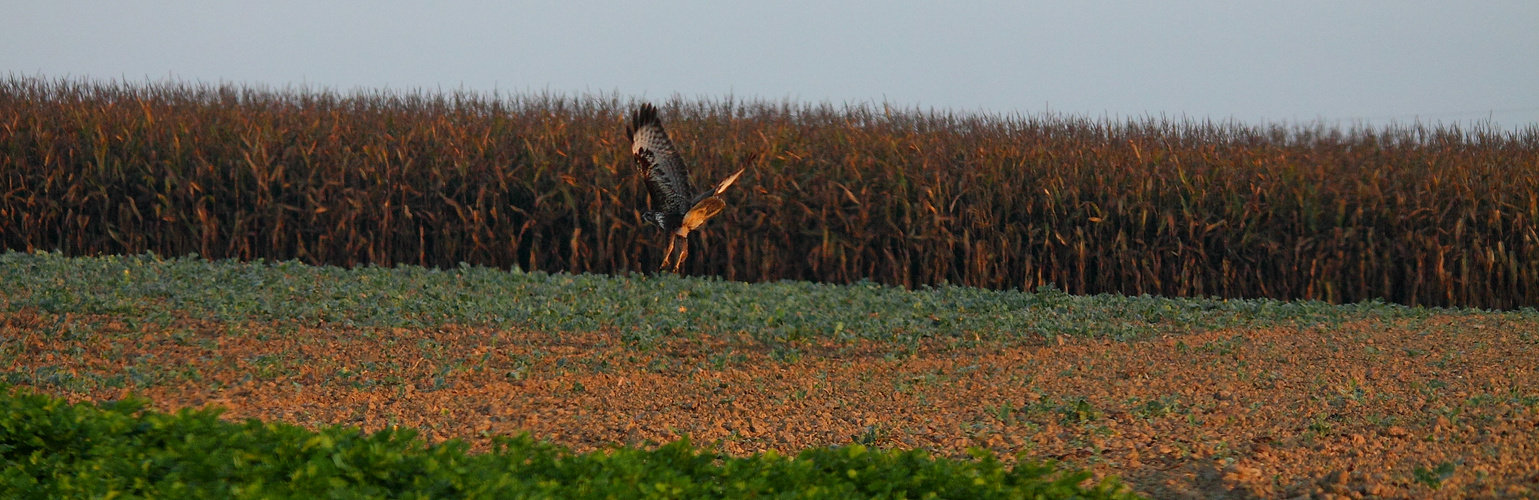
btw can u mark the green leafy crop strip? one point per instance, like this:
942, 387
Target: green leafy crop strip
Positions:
409, 296
50, 448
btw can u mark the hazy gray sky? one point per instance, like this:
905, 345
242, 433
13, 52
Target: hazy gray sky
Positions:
1339, 60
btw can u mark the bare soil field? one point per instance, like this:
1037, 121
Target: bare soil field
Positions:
1444, 408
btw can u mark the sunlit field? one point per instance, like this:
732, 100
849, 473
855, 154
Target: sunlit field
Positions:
1421, 215
254, 292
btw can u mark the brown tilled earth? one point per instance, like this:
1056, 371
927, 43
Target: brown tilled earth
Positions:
1364, 409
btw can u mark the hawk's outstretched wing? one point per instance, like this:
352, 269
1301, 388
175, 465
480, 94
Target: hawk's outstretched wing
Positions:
667, 177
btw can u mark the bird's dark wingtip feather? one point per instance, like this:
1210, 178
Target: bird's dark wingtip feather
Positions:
643, 116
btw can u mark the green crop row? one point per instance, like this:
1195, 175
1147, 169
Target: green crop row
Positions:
1420, 215
50, 448
640, 306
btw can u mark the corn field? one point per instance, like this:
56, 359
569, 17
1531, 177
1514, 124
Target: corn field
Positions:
1418, 214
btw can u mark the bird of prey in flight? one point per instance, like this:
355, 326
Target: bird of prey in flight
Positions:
677, 208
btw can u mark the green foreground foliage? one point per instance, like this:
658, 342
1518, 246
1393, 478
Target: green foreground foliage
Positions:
641, 306
1418, 214
50, 448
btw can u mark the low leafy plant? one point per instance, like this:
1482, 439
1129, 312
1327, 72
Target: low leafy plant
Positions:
1157, 408
1435, 476
644, 308
50, 448
1078, 410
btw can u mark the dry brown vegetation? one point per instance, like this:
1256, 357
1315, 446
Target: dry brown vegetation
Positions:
1417, 215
